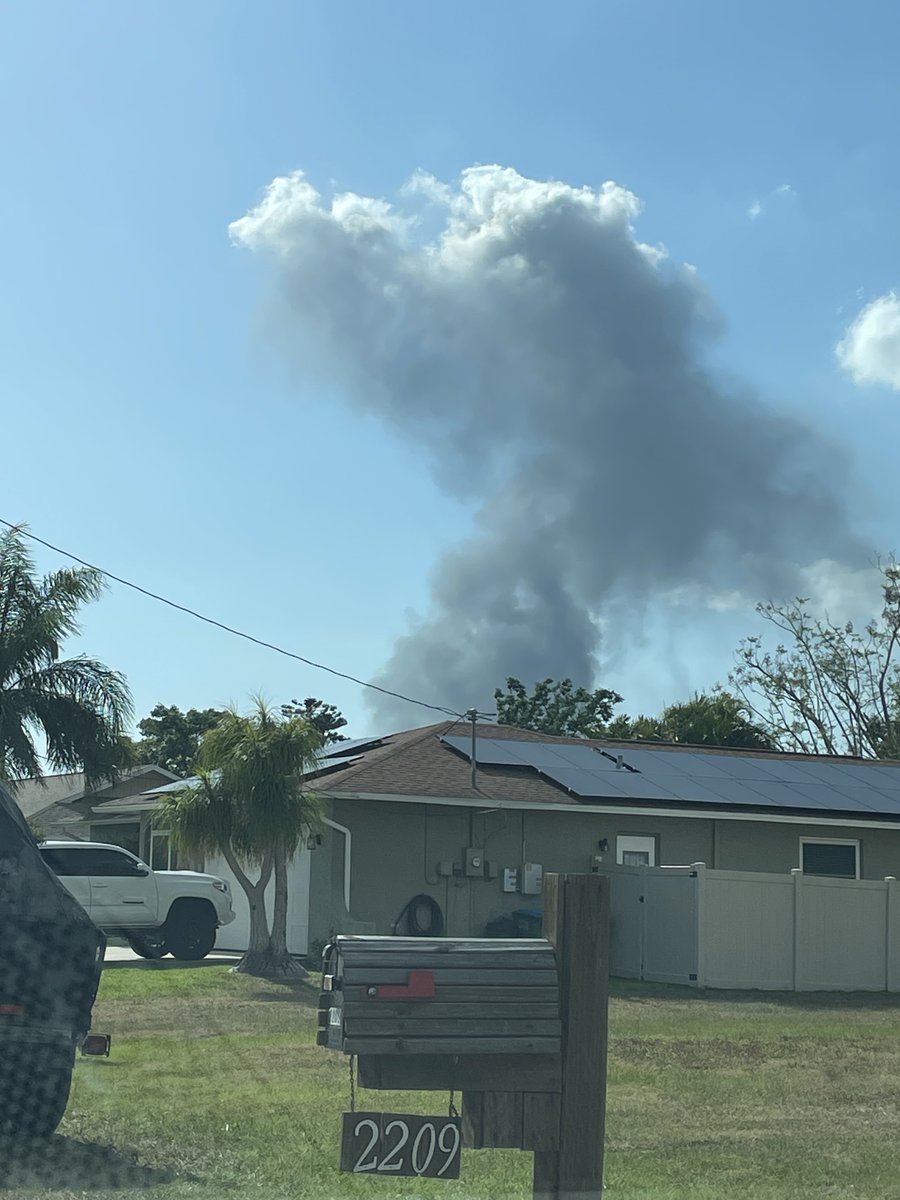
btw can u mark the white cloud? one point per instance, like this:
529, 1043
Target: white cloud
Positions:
870, 347
784, 191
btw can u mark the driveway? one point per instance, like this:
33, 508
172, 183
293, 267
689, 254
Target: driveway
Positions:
115, 953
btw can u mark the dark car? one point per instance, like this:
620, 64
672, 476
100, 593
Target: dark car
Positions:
51, 955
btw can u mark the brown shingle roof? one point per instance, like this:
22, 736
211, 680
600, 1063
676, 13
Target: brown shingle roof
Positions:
417, 763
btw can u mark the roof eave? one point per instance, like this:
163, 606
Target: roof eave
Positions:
878, 821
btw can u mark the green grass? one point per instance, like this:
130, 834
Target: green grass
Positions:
215, 1088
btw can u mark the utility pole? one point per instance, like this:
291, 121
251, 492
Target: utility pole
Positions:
472, 714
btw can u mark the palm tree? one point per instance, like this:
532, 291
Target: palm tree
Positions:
77, 706
249, 805
714, 718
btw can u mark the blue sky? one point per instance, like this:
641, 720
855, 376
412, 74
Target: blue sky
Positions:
151, 426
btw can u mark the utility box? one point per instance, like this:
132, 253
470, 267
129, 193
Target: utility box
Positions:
531, 878
446, 1011
475, 862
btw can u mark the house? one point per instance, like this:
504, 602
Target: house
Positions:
418, 822
62, 806
407, 816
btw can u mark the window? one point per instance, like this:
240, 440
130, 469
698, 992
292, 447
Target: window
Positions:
114, 863
633, 850
124, 834
67, 862
162, 854
829, 856
92, 861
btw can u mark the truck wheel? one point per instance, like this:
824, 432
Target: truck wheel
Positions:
34, 1088
148, 943
191, 930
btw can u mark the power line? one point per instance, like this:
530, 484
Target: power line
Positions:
450, 712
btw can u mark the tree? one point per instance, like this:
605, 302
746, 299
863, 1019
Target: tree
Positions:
556, 707
327, 718
249, 805
827, 687
171, 738
714, 718
77, 706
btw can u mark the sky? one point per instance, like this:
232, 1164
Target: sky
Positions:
381, 331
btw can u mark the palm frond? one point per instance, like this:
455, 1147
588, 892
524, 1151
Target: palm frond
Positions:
79, 706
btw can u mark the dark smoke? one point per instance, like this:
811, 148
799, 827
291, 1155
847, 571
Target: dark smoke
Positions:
553, 366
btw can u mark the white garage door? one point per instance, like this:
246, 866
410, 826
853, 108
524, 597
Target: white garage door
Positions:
236, 935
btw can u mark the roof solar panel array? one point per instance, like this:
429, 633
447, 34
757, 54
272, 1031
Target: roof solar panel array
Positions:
695, 777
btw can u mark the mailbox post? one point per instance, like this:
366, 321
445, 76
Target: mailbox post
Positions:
518, 1026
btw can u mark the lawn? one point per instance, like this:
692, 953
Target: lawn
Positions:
215, 1088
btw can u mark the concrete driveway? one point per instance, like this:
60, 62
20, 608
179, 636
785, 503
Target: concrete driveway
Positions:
123, 953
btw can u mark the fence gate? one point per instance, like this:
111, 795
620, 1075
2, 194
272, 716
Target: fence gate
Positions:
654, 924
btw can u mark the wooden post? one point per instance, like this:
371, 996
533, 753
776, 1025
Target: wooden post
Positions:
576, 922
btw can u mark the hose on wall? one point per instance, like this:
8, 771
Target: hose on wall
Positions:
410, 914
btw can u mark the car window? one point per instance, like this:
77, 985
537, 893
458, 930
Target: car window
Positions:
114, 862
66, 862
90, 861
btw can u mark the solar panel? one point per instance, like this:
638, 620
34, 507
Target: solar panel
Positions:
825, 773
707, 766
490, 752
640, 787
745, 768
670, 760
540, 755
339, 749
886, 779
513, 752
688, 791
583, 756
325, 765
784, 795
822, 796
881, 801
733, 791
587, 784
697, 777
785, 772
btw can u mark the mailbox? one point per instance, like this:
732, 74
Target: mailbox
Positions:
444, 1012
518, 1026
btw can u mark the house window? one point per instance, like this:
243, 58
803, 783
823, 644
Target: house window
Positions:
162, 853
127, 835
829, 856
633, 850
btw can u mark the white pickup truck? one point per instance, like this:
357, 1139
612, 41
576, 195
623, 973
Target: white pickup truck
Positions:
159, 912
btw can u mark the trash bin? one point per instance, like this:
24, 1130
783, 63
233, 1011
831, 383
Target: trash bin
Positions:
520, 923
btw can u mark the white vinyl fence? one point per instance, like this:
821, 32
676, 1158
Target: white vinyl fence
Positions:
739, 929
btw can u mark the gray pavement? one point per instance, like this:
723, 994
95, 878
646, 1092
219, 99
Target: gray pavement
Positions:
116, 953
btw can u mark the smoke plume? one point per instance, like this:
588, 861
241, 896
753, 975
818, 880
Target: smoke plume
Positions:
555, 368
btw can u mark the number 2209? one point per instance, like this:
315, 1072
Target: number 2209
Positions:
400, 1144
